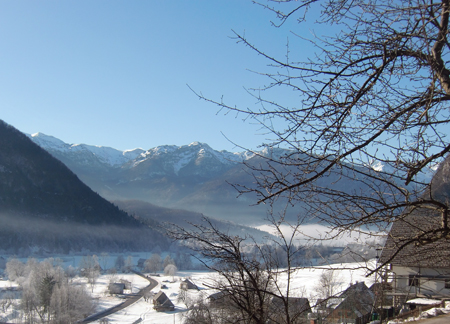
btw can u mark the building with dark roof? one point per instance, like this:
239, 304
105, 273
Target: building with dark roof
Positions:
355, 302
116, 288
187, 284
299, 308
417, 250
415, 267
161, 303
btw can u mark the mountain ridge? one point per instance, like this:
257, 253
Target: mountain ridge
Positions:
193, 177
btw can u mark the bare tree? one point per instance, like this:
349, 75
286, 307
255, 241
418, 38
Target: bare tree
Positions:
90, 268
328, 285
104, 260
168, 260
249, 277
154, 263
199, 311
120, 263
15, 269
170, 270
47, 296
363, 119
70, 304
129, 263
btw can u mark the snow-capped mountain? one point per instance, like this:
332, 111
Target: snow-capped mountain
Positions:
193, 177
107, 155
177, 158
424, 176
196, 158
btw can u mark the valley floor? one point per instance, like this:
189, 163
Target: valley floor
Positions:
303, 283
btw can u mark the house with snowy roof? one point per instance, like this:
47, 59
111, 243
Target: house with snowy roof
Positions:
116, 288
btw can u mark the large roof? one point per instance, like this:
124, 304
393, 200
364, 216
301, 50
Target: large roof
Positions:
162, 299
401, 247
415, 223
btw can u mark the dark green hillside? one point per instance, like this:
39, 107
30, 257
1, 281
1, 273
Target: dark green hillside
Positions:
44, 204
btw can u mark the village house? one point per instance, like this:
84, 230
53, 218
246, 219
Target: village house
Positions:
161, 303
355, 302
126, 283
416, 270
299, 308
219, 299
187, 284
116, 288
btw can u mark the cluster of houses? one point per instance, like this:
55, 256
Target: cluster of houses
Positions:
162, 303
409, 272
349, 306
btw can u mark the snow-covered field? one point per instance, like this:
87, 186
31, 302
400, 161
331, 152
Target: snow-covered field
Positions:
303, 283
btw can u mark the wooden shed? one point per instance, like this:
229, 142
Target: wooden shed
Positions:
187, 284
116, 288
126, 283
298, 309
161, 303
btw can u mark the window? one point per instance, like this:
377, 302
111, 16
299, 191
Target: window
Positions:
447, 284
413, 281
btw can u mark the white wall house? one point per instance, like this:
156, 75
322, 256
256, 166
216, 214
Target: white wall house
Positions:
414, 269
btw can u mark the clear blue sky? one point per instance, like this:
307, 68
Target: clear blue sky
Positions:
115, 73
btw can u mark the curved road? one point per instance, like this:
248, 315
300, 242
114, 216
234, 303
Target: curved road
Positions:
131, 300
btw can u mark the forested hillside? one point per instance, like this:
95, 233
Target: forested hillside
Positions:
43, 205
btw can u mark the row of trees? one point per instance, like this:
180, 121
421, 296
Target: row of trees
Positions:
48, 296
155, 264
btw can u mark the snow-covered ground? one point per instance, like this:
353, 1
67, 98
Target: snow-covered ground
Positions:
100, 292
433, 312
303, 283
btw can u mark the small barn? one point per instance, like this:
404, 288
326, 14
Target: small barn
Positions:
161, 303
220, 299
299, 308
187, 284
116, 288
126, 283
355, 302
